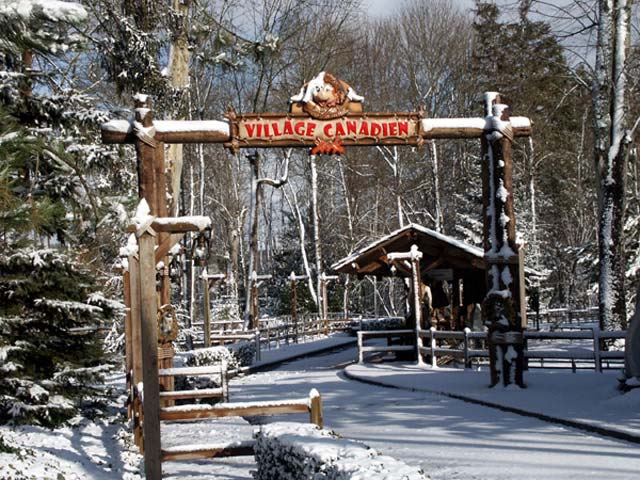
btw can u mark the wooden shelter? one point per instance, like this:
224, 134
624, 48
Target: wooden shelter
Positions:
444, 260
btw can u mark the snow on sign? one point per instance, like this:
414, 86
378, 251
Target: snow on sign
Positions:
327, 115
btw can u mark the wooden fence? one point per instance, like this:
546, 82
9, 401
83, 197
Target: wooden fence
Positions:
311, 405
467, 345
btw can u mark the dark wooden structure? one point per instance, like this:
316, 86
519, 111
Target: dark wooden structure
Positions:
444, 259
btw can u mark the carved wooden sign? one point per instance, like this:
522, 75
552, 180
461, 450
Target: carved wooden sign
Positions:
326, 114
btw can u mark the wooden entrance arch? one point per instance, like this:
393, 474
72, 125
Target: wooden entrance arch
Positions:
327, 116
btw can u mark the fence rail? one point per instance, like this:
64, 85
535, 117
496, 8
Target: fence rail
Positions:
464, 345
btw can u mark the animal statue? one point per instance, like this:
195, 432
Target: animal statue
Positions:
326, 97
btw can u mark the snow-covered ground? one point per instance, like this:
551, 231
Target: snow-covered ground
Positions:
447, 437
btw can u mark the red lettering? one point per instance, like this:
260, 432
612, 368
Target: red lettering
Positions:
385, 130
276, 130
376, 129
267, 132
251, 129
299, 128
311, 126
327, 130
352, 127
403, 128
339, 130
288, 128
393, 128
364, 128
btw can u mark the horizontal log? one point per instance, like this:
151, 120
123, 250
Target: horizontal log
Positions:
176, 224
189, 394
199, 452
230, 410
385, 333
170, 131
389, 348
440, 128
190, 371
216, 131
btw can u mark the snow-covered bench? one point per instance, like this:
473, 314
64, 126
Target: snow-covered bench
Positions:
293, 451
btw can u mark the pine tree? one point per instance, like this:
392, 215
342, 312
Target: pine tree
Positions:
49, 205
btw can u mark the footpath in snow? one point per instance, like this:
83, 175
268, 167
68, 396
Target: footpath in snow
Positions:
586, 400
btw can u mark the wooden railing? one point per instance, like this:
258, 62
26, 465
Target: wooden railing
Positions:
311, 405
467, 345
389, 347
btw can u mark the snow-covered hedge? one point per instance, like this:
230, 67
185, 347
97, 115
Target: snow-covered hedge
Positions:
387, 323
244, 352
236, 355
212, 356
295, 451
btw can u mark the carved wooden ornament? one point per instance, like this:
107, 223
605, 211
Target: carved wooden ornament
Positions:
326, 115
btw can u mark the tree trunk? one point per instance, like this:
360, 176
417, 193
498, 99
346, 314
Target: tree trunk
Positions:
179, 77
254, 206
439, 226
611, 158
316, 228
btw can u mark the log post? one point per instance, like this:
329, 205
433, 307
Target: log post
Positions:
316, 408
149, 331
136, 336
128, 360
294, 304
206, 309
501, 307
416, 256
254, 300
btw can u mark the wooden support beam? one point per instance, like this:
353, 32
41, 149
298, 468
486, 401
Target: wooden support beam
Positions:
316, 409
149, 331
202, 452
502, 303
229, 410
136, 336
207, 310
176, 224
167, 244
128, 362
216, 131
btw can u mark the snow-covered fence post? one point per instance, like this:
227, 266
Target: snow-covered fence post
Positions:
501, 306
257, 344
136, 354
596, 349
360, 345
433, 345
315, 401
146, 228
149, 333
324, 281
466, 346
207, 283
413, 258
294, 301
256, 281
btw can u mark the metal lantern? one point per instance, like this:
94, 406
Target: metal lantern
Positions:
200, 248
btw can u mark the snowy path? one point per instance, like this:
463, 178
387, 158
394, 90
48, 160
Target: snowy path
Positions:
449, 438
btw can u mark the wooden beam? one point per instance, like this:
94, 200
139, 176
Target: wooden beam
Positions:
136, 336
149, 331
128, 362
173, 225
207, 312
167, 244
203, 452
228, 410
170, 131
216, 131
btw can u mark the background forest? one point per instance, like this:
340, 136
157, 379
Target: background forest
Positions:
65, 69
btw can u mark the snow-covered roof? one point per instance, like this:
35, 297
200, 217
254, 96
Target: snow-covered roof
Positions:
412, 233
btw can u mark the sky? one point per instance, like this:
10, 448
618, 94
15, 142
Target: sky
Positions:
385, 7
